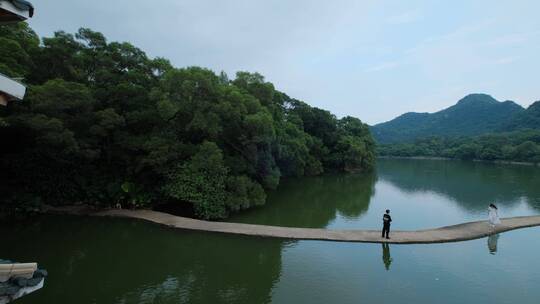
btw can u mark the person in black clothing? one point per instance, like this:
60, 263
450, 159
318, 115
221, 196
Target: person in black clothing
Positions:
386, 223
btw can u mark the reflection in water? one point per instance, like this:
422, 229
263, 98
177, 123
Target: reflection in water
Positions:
387, 259
472, 185
314, 201
126, 261
459, 190
492, 243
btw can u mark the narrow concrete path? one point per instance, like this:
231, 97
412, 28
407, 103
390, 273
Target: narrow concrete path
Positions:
455, 233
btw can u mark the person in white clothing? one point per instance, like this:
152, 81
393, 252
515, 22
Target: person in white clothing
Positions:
493, 215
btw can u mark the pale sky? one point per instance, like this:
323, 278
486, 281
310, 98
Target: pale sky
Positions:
370, 59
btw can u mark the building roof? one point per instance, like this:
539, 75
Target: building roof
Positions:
23, 5
15, 10
13, 89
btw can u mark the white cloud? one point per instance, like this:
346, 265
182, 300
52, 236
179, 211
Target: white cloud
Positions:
506, 60
383, 66
405, 17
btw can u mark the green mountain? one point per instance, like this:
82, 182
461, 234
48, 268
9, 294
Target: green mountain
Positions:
528, 119
474, 114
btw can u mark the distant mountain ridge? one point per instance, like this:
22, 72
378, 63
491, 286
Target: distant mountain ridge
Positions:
528, 119
475, 114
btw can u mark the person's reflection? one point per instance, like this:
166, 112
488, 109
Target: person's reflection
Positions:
387, 260
492, 243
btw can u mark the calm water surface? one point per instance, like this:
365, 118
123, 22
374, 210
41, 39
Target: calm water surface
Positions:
419, 193
100, 260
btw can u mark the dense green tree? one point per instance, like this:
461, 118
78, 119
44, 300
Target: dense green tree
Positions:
18, 44
104, 124
527, 150
201, 181
514, 146
356, 144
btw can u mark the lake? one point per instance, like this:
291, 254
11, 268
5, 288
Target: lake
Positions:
104, 260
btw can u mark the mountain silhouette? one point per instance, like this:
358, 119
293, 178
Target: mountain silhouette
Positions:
474, 114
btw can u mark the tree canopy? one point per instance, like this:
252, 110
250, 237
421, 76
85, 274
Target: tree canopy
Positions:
103, 123
521, 146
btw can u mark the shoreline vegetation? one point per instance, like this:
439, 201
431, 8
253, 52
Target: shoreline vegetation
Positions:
519, 147
105, 125
103, 122
502, 162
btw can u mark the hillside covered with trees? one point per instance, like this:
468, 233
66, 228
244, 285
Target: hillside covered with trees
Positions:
521, 146
102, 123
473, 115
528, 119
477, 127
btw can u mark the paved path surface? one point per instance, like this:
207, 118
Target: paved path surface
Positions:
461, 232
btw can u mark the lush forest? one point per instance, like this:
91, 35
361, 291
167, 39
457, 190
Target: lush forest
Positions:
477, 127
522, 146
528, 119
473, 115
102, 124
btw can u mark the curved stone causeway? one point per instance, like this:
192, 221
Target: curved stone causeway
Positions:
455, 233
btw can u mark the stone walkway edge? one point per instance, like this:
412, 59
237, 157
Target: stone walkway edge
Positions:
454, 233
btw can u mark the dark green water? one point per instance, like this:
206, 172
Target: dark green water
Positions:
419, 193
100, 260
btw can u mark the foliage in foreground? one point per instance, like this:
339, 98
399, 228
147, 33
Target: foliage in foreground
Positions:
103, 124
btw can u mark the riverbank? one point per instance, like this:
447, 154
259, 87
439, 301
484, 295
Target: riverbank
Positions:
502, 162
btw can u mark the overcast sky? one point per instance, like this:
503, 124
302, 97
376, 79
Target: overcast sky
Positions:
370, 59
